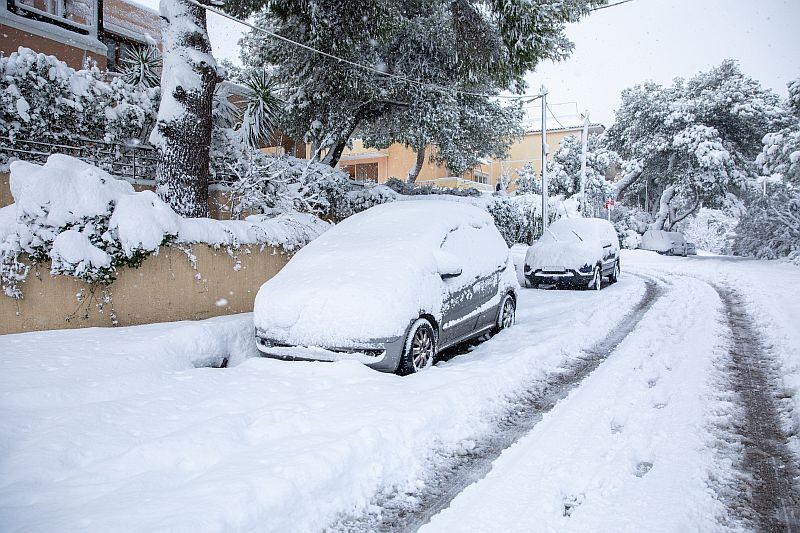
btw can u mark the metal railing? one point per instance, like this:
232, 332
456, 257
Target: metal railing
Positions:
131, 161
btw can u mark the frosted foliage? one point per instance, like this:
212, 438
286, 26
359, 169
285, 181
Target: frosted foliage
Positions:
279, 184
770, 228
711, 230
692, 143
481, 48
43, 99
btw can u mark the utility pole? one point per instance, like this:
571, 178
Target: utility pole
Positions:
584, 141
543, 94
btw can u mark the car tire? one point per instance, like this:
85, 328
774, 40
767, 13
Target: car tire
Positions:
614, 277
420, 348
507, 313
597, 280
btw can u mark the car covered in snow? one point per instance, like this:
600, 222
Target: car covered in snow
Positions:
664, 242
691, 248
390, 287
574, 252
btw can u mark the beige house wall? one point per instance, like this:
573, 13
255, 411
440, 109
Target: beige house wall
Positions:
397, 160
165, 288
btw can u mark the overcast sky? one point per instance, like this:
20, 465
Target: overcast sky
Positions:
643, 40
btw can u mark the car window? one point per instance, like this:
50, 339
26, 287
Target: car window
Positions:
479, 250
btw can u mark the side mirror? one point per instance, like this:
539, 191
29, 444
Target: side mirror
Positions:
447, 265
448, 275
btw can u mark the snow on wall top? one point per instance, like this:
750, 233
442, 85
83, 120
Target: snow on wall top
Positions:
65, 190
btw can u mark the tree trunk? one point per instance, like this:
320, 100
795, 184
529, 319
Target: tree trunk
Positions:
415, 170
663, 208
182, 136
626, 181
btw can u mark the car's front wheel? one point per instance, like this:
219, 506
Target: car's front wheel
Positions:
507, 314
420, 349
597, 279
614, 277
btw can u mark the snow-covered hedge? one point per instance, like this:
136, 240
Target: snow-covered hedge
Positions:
43, 99
88, 224
280, 184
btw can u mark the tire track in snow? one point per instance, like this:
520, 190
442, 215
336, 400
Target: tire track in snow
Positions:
768, 496
454, 472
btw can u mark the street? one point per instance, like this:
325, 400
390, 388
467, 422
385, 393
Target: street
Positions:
663, 402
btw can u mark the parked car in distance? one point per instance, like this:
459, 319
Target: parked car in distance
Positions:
664, 242
691, 249
574, 252
390, 287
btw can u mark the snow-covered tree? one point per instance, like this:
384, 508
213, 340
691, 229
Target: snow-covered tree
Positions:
465, 45
182, 135
770, 226
693, 142
527, 181
564, 170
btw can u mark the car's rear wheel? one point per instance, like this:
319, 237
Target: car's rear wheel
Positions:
614, 277
507, 314
420, 349
597, 279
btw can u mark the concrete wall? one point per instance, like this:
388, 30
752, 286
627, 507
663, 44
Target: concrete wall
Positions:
165, 288
5, 190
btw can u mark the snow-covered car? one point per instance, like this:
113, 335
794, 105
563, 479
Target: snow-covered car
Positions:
691, 248
390, 287
574, 252
664, 242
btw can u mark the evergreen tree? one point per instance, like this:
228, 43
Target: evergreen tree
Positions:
693, 142
462, 45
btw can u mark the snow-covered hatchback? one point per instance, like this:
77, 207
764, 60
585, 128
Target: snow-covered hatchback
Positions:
577, 252
390, 287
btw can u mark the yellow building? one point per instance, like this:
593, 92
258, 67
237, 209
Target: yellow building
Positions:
369, 164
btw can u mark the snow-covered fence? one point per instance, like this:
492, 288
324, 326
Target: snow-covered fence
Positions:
166, 287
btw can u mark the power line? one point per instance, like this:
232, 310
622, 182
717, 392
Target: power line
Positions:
610, 5
555, 117
362, 66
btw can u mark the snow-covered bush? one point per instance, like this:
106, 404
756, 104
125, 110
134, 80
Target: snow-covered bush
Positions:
286, 183
43, 99
770, 227
630, 223
88, 224
712, 230
414, 189
526, 181
358, 200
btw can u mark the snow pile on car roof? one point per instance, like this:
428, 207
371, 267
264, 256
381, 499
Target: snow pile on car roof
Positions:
372, 273
572, 243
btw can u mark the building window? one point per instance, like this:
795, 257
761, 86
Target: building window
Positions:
480, 177
118, 48
71, 14
364, 172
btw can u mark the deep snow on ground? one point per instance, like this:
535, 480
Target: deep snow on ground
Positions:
116, 429
128, 429
629, 450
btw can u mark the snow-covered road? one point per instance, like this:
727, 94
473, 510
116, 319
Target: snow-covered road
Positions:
131, 429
